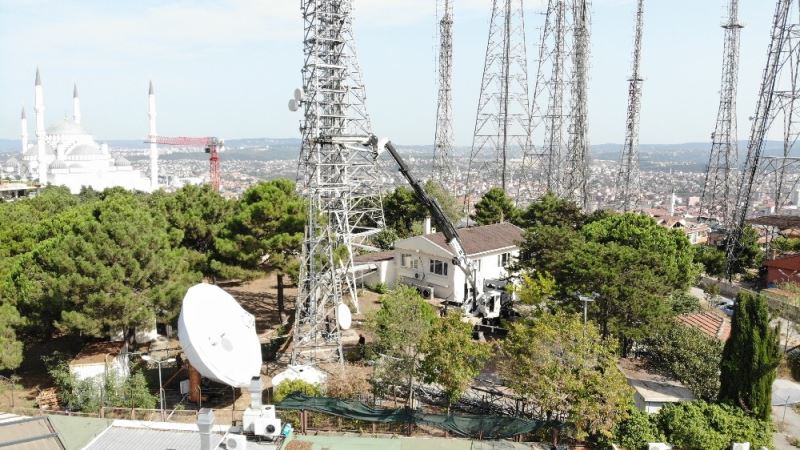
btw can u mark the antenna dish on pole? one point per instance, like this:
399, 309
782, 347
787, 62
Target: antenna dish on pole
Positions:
219, 336
298, 95
343, 316
293, 105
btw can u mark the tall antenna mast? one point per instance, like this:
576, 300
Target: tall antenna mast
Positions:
628, 184
502, 124
443, 142
576, 173
559, 162
778, 99
338, 177
718, 200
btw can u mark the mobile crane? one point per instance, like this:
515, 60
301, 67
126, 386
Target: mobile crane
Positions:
485, 302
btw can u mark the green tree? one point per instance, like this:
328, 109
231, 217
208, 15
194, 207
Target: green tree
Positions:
631, 265
111, 265
266, 231
712, 259
199, 214
450, 205
536, 289
566, 374
750, 357
709, 426
400, 342
683, 302
401, 209
494, 207
687, 355
10, 346
748, 251
385, 239
452, 358
636, 430
552, 210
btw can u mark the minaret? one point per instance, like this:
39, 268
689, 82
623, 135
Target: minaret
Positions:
76, 105
151, 115
40, 133
672, 200
24, 126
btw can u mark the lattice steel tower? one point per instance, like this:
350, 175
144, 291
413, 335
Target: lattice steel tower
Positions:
719, 189
576, 174
443, 142
559, 161
777, 104
502, 124
628, 182
338, 176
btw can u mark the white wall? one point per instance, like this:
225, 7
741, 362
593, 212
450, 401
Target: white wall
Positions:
450, 287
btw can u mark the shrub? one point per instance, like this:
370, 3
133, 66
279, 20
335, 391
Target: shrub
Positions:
288, 387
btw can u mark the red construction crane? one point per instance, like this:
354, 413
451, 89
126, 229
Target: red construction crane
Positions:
211, 145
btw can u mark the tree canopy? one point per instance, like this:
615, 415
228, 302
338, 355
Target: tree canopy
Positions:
494, 207
750, 357
566, 371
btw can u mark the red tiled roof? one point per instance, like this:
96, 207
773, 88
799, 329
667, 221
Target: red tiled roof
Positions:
709, 322
791, 262
482, 239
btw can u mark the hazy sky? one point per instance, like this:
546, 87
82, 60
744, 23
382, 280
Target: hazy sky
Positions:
228, 67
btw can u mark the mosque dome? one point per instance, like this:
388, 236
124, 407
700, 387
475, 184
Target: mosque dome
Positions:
67, 128
120, 161
58, 164
85, 152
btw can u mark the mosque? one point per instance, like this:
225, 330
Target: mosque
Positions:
66, 154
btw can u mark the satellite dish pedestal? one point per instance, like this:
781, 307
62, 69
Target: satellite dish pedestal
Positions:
195, 394
258, 418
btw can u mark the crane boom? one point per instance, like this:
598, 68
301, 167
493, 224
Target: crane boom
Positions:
211, 144
436, 211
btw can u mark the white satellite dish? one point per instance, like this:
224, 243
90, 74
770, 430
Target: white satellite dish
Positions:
298, 95
293, 105
219, 336
343, 316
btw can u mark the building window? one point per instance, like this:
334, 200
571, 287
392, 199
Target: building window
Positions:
503, 259
414, 263
438, 267
404, 258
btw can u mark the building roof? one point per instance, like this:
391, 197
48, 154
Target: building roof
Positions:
711, 323
374, 257
97, 352
653, 387
29, 433
483, 239
778, 221
121, 438
791, 262
67, 128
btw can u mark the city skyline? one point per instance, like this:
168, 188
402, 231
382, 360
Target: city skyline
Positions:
238, 61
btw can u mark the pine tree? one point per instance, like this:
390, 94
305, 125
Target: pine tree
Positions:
750, 357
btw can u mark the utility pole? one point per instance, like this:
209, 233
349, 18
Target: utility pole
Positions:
443, 142
717, 201
502, 123
628, 183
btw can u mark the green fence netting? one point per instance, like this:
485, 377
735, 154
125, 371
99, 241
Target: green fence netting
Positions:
484, 427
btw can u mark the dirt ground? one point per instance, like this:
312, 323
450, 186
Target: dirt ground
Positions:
258, 297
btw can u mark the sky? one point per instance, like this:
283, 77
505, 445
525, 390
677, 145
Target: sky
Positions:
227, 68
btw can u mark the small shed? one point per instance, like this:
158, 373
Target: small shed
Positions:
98, 359
652, 391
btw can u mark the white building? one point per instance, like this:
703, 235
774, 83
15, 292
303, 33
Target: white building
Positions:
426, 262
100, 359
66, 154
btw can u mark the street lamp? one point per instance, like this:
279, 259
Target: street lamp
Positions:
149, 358
586, 300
